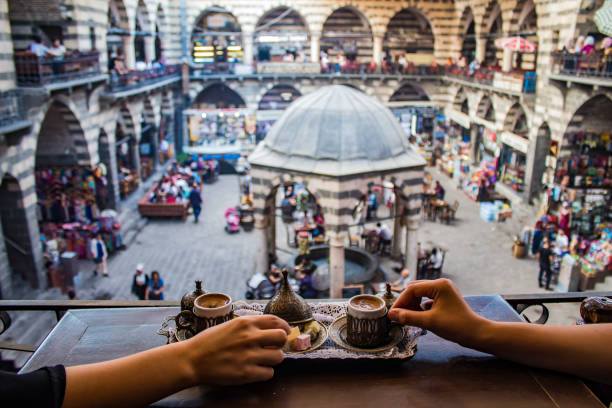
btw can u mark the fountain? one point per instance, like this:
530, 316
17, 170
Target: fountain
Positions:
359, 266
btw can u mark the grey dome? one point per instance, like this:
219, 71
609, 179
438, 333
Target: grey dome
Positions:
336, 131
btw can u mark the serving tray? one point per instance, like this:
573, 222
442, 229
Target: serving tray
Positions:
326, 313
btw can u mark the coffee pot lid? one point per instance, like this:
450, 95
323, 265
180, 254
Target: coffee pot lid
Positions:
288, 305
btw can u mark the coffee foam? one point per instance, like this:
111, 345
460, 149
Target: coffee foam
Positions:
212, 301
367, 303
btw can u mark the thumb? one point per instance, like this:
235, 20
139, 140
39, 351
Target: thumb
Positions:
408, 317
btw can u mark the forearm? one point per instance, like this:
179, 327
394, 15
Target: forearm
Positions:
134, 380
579, 350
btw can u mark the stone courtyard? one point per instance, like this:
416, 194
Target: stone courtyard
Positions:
478, 259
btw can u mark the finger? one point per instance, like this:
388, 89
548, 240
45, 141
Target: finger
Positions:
271, 337
426, 305
258, 373
272, 322
409, 317
268, 357
411, 297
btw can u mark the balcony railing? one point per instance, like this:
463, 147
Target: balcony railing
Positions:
597, 66
515, 82
11, 108
137, 79
33, 70
311, 69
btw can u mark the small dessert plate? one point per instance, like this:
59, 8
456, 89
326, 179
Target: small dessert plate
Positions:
321, 339
337, 332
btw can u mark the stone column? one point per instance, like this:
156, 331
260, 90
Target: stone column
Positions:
247, 45
507, 61
396, 249
378, 50
481, 49
108, 156
315, 47
336, 264
411, 247
134, 145
261, 242
128, 51
473, 141
536, 164
149, 42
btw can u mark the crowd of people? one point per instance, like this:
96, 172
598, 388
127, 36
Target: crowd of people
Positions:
587, 54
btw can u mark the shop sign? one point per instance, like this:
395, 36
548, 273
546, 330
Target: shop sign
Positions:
515, 141
460, 118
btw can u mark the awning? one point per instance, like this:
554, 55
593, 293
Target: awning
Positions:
516, 44
603, 18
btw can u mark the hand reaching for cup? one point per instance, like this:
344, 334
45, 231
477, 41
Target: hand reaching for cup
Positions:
240, 351
445, 312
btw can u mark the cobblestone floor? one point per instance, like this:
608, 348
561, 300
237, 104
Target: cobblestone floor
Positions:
478, 260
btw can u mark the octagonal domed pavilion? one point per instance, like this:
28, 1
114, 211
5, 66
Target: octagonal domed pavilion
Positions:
339, 142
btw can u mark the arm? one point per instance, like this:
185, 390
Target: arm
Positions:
147, 290
238, 352
557, 348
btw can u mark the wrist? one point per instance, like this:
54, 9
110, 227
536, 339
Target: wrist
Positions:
479, 334
187, 364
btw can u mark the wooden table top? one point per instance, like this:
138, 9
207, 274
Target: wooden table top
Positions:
441, 374
439, 203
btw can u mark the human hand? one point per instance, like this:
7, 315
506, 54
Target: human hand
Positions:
240, 351
445, 312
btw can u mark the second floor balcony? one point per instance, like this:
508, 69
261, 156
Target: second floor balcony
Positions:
137, 81
593, 69
73, 69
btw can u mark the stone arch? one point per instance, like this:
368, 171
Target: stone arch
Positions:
278, 97
220, 96
160, 31
223, 20
516, 120
16, 232
126, 140
467, 33
407, 27
592, 115
486, 109
461, 102
117, 16
143, 30
524, 22
350, 28
409, 92
492, 27
282, 28
61, 139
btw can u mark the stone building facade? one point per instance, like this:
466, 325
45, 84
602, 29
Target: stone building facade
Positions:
76, 120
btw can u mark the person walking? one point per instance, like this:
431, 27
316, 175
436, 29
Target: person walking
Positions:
98, 252
385, 236
545, 257
140, 282
155, 288
195, 198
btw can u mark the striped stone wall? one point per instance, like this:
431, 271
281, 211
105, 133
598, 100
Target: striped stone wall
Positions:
7, 67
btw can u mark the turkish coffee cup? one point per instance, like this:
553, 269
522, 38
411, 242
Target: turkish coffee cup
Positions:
367, 323
209, 309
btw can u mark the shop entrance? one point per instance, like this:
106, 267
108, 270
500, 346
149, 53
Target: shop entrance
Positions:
15, 233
